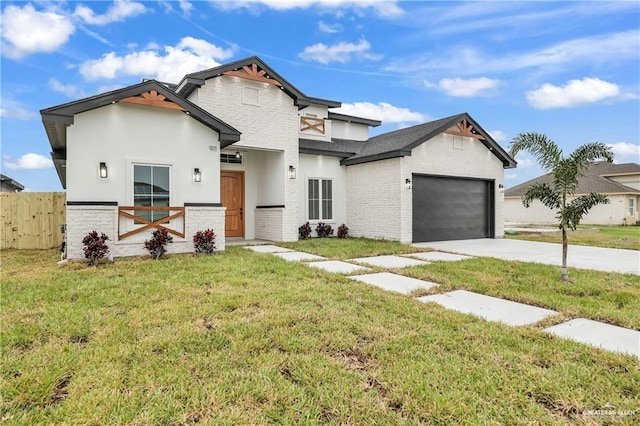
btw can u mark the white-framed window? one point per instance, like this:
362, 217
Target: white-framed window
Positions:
320, 199
151, 188
632, 206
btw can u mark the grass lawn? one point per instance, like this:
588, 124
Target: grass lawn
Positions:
622, 237
247, 338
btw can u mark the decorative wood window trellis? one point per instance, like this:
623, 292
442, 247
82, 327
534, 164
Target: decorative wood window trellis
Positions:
129, 213
312, 123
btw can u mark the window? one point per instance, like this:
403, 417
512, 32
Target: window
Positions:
230, 158
151, 189
632, 206
320, 199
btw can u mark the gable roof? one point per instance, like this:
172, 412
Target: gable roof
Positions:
6, 180
191, 81
594, 180
399, 143
56, 119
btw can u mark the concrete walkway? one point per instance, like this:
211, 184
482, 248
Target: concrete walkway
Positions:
597, 258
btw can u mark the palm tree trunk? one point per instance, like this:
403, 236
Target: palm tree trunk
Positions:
565, 247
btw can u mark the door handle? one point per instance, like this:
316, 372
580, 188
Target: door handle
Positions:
240, 213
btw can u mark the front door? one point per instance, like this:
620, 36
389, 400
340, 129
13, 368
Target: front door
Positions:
232, 195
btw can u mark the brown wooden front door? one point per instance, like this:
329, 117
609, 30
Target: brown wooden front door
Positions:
232, 195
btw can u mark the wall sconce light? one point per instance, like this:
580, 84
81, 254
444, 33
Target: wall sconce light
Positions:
501, 188
197, 175
407, 183
103, 170
237, 154
292, 172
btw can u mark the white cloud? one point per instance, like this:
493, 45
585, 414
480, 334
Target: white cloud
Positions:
524, 162
186, 7
574, 93
498, 136
341, 52
189, 55
384, 8
29, 161
329, 28
465, 88
26, 31
15, 110
118, 11
70, 90
382, 111
625, 152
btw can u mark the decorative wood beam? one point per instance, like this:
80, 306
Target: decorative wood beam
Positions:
253, 74
312, 123
123, 211
153, 99
466, 130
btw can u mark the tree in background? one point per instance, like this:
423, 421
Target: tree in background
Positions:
566, 171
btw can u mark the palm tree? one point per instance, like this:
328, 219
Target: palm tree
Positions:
565, 171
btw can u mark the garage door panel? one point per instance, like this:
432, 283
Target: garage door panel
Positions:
451, 208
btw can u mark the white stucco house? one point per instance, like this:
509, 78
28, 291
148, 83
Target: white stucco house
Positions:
239, 149
619, 182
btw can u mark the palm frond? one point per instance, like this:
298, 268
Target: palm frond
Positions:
590, 152
545, 151
580, 206
544, 193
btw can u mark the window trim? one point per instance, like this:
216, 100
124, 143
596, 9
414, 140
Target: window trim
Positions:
632, 209
133, 189
320, 200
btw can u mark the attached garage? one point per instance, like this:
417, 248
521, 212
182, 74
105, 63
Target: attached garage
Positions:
452, 208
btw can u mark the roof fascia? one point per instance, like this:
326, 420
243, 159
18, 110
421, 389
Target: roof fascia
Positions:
376, 157
353, 118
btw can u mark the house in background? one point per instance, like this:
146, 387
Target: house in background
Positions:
239, 149
619, 182
9, 185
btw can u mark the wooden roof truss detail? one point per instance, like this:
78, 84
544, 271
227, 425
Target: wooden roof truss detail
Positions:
465, 129
153, 99
253, 73
312, 123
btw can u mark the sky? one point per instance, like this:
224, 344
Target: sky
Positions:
570, 69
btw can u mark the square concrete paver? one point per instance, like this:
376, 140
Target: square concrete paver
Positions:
338, 267
438, 256
269, 248
599, 334
298, 256
394, 282
389, 261
490, 308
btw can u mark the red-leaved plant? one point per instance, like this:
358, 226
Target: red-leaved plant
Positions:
157, 245
343, 231
324, 230
95, 247
305, 231
204, 242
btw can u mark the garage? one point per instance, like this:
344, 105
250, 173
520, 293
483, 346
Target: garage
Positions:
452, 208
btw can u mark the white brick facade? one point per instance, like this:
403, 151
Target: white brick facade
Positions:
269, 224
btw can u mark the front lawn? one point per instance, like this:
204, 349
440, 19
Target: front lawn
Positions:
247, 338
621, 237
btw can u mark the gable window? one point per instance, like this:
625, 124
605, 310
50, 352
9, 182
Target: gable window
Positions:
151, 189
320, 196
632, 206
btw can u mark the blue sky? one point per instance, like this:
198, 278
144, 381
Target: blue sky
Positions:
570, 70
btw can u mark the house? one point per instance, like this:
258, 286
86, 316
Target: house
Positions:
239, 149
619, 182
9, 185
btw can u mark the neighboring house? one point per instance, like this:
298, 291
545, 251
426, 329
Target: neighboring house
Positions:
239, 149
619, 182
9, 185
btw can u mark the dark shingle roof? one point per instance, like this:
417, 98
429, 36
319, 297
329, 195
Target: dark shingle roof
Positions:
342, 148
594, 180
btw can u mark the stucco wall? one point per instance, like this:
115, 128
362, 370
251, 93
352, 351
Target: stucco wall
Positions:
353, 131
322, 167
268, 119
613, 213
632, 181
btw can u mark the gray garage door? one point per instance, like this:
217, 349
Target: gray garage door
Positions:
447, 208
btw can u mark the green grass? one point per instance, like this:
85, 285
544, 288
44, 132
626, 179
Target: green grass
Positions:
349, 248
622, 237
247, 338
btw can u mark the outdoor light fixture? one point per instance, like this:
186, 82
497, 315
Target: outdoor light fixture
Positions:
501, 187
407, 183
292, 172
197, 175
237, 154
103, 170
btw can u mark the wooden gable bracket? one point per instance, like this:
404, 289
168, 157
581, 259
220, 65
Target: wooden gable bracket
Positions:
253, 74
153, 99
312, 123
465, 129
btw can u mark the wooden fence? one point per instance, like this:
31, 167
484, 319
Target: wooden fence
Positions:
32, 220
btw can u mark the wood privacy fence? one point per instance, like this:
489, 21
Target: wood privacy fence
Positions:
32, 220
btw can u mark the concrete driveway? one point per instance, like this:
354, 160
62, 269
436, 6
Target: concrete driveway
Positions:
600, 259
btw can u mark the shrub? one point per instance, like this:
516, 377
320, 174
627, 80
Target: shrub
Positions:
204, 242
304, 231
324, 230
95, 247
157, 245
343, 231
